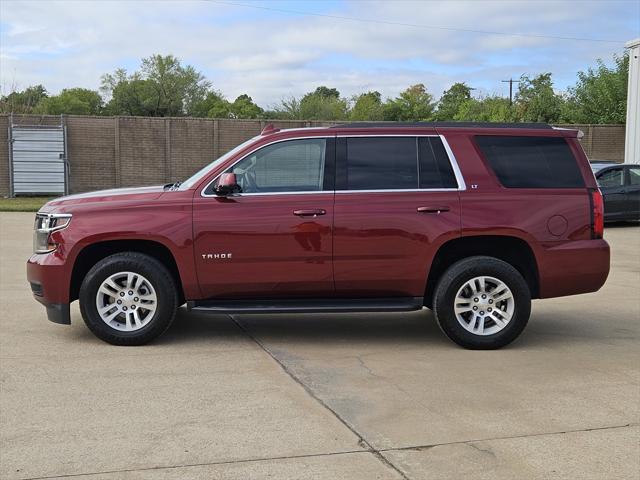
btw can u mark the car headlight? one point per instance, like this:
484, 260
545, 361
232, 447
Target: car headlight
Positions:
45, 225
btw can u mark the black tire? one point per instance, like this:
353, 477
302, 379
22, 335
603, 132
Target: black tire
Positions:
159, 277
461, 272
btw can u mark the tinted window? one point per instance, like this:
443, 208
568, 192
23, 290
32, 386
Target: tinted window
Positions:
435, 168
382, 163
611, 178
291, 166
634, 175
531, 162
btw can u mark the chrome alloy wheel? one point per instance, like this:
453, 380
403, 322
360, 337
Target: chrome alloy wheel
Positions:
126, 301
484, 305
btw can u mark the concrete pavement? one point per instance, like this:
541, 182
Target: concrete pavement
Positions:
322, 396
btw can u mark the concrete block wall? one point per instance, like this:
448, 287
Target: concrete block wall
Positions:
111, 152
602, 142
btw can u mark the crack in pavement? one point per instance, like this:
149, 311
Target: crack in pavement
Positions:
368, 369
329, 454
508, 437
361, 440
203, 464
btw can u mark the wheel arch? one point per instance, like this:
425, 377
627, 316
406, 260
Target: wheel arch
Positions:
94, 252
513, 250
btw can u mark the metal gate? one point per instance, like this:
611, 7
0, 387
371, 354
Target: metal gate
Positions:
38, 159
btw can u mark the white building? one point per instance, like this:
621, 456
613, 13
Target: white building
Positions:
632, 136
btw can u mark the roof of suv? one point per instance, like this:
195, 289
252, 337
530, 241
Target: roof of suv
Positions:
542, 126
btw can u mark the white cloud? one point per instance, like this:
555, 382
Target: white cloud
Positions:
272, 55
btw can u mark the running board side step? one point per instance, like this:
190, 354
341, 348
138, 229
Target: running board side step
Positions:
314, 305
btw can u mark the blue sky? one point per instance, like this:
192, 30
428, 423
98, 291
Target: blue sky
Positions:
278, 49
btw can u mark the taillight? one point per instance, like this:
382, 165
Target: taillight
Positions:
597, 214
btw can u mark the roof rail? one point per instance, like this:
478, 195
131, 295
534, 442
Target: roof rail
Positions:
541, 126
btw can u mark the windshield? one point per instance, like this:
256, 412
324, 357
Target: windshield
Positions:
596, 167
196, 177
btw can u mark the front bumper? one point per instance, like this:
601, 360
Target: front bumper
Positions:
58, 313
47, 278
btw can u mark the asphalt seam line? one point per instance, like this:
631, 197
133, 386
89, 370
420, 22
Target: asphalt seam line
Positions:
361, 440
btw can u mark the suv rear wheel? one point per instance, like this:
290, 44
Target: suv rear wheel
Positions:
482, 303
128, 299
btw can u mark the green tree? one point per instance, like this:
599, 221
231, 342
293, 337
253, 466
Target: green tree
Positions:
213, 105
452, 100
487, 109
600, 94
73, 101
414, 104
161, 87
323, 104
367, 106
23, 101
244, 107
536, 101
327, 92
288, 109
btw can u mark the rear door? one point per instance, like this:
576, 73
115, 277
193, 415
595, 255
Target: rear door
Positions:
612, 185
396, 202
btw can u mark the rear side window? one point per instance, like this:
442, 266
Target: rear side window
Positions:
397, 163
435, 168
531, 162
379, 163
634, 175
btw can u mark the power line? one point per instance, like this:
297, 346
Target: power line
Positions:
414, 25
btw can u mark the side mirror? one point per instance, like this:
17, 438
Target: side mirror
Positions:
227, 185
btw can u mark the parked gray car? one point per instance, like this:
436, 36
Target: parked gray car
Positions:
620, 187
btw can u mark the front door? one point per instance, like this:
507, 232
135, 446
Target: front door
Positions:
274, 239
396, 200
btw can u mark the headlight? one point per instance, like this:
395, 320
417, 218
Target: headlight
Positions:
46, 224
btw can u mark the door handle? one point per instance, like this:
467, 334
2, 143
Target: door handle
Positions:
436, 210
310, 213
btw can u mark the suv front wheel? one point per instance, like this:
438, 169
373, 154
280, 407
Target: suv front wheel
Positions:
128, 299
482, 303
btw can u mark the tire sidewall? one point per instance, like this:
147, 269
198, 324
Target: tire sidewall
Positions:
464, 271
154, 272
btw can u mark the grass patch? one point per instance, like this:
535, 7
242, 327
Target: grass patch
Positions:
22, 204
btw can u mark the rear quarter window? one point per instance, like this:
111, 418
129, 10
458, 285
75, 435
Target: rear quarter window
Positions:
531, 162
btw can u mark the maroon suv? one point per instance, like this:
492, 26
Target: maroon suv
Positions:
469, 220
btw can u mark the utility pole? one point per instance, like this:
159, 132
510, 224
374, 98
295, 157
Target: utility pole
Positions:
511, 81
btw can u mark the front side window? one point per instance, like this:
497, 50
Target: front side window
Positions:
531, 162
611, 178
289, 166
